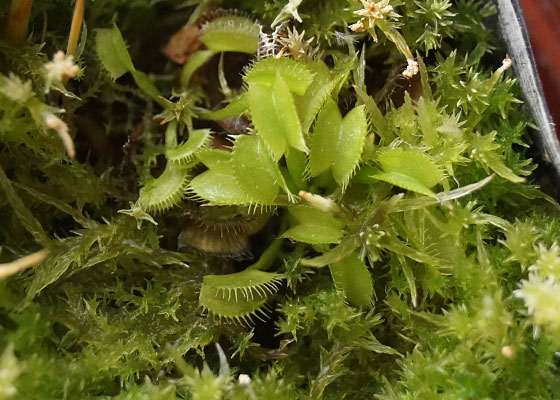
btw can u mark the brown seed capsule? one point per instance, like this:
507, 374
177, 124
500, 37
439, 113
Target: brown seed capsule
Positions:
508, 352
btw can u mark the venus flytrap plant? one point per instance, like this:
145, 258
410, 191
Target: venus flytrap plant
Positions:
437, 254
352, 276
229, 180
230, 32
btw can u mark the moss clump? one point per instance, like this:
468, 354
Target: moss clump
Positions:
180, 216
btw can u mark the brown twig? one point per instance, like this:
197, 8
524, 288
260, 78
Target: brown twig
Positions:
16, 266
77, 20
18, 19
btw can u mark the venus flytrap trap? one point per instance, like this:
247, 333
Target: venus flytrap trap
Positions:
231, 32
338, 143
240, 296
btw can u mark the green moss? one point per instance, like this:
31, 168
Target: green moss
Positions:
304, 146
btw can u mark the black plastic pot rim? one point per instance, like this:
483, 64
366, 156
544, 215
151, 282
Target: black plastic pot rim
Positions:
516, 39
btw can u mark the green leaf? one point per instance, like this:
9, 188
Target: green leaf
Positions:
405, 182
218, 186
409, 276
412, 163
314, 234
410, 170
196, 60
296, 75
495, 163
296, 161
147, 86
324, 85
248, 175
442, 197
350, 143
335, 254
112, 52
213, 157
237, 106
352, 276
275, 117
255, 171
337, 143
27, 219
407, 120
426, 111
231, 33
266, 121
184, 153
323, 150
286, 111
379, 122
314, 226
238, 310
484, 151
397, 246
247, 283
426, 89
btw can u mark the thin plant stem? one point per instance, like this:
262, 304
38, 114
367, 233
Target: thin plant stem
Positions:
18, 19
18, 265
75, 28
77, 19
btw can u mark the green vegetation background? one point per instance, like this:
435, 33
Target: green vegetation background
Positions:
433, 289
